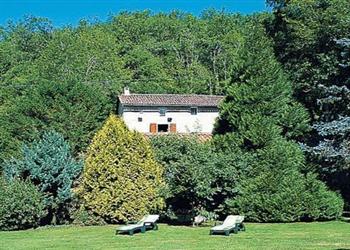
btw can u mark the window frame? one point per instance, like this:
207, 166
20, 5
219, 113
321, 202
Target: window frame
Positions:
163, 124
164, 110
194, 109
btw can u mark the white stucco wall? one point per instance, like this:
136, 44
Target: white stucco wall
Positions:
185, 122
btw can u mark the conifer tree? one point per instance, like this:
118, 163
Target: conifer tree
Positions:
259, 108
48, 164
259, 117
121, 180
311, 40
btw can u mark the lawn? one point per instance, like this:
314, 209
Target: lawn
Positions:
325, 235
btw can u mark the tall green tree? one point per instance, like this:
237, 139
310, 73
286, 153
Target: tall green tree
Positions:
21, 43
311, 40
259, 117
76, 110
259, 107
89, 53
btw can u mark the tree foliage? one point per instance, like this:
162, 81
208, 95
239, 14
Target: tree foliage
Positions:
175, 52
256, 117
121, 180
189, 171
311, 40
285, 196
67, 79
74, 109
199, 177
257, 109
48, 164
21, 205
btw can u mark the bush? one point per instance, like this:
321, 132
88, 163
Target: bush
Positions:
198, 176
270, 197
83, 217
320, 203
276, 196
121, 180
49, 165
189, 171
21, 205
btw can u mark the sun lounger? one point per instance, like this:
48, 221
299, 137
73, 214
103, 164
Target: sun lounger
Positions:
147, 222
232, 223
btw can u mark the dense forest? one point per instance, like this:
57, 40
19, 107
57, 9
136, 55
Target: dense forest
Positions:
286, 117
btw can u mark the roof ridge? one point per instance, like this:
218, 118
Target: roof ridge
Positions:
171, 99
133, 94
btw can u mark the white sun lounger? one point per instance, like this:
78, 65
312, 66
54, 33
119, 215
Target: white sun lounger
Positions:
148, 221
232, 223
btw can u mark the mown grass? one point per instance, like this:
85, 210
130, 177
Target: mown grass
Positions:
325, 235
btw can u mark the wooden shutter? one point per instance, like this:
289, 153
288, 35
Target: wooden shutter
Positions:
153, 128
173, 127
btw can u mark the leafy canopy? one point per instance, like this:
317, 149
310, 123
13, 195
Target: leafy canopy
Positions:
74, 109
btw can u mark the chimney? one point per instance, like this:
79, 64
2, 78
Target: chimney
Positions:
126, 91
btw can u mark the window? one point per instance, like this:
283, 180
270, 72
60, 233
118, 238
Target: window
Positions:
139, 119
194, 111
162, 111
153, 128
163, 128
173, 127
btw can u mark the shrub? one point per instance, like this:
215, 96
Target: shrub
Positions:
320, 203
83, 217
270, 197
285, 196
21, 205
121, 180
198, 176
189, 171
49, 165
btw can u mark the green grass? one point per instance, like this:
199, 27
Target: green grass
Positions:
326, 235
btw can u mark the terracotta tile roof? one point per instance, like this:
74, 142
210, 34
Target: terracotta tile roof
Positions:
202, 137
170, 100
